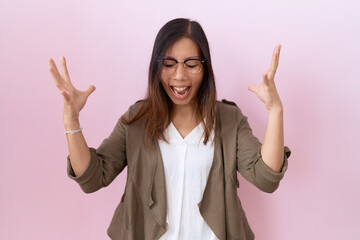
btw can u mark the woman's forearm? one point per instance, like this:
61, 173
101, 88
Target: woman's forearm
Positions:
78, 149
272, 149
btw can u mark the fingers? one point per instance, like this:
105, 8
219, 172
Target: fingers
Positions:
253, 88
64, 69
266, 78
274, 61
63, 81
55, 74
66, 95
90, 89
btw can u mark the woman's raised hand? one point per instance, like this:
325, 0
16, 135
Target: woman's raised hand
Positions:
266, 91
74, 100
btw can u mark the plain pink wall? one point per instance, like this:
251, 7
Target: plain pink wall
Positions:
109, 43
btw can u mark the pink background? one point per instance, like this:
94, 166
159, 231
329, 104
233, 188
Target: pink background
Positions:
109, 43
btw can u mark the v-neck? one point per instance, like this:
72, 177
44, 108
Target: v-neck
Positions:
193, 136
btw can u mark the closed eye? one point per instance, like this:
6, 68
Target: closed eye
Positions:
168, 63
192, 66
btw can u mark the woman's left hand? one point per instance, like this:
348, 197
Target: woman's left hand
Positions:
266, 91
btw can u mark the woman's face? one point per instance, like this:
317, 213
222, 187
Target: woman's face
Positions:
181, 84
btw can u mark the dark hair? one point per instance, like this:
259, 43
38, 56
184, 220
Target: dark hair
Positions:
157, 106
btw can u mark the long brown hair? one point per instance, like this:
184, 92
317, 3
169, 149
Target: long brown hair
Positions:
157, 106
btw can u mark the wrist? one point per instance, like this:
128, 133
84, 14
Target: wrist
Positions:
276, 108
71, 125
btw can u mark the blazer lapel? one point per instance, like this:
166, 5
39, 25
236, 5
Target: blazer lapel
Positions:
157, 198
212, 205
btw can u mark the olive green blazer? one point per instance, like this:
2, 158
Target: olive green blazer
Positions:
141, 213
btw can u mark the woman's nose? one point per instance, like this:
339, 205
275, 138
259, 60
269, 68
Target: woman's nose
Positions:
180, 72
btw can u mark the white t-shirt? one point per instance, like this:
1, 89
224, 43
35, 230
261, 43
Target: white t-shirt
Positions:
187, 162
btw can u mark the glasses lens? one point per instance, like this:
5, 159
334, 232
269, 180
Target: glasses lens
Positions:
193, 65
169, 65
190, 65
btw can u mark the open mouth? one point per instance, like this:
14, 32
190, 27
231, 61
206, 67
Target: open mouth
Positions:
181, 91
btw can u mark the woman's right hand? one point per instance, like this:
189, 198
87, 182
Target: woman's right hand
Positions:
74, 100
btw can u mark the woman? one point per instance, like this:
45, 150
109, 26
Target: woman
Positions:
182, 148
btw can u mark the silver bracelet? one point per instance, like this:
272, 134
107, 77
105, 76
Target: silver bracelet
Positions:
73, 131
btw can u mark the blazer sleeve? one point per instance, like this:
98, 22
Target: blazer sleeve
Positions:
106, 162
249, 160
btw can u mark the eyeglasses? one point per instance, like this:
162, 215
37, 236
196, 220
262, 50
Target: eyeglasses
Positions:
191, 65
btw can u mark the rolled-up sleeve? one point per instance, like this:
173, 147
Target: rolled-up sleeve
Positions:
249, 160
106, 162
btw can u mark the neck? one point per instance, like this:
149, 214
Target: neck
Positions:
185, 113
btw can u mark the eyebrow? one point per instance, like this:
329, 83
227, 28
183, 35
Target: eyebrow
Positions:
172, 58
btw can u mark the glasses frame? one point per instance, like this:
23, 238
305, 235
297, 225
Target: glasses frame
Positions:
182, 61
